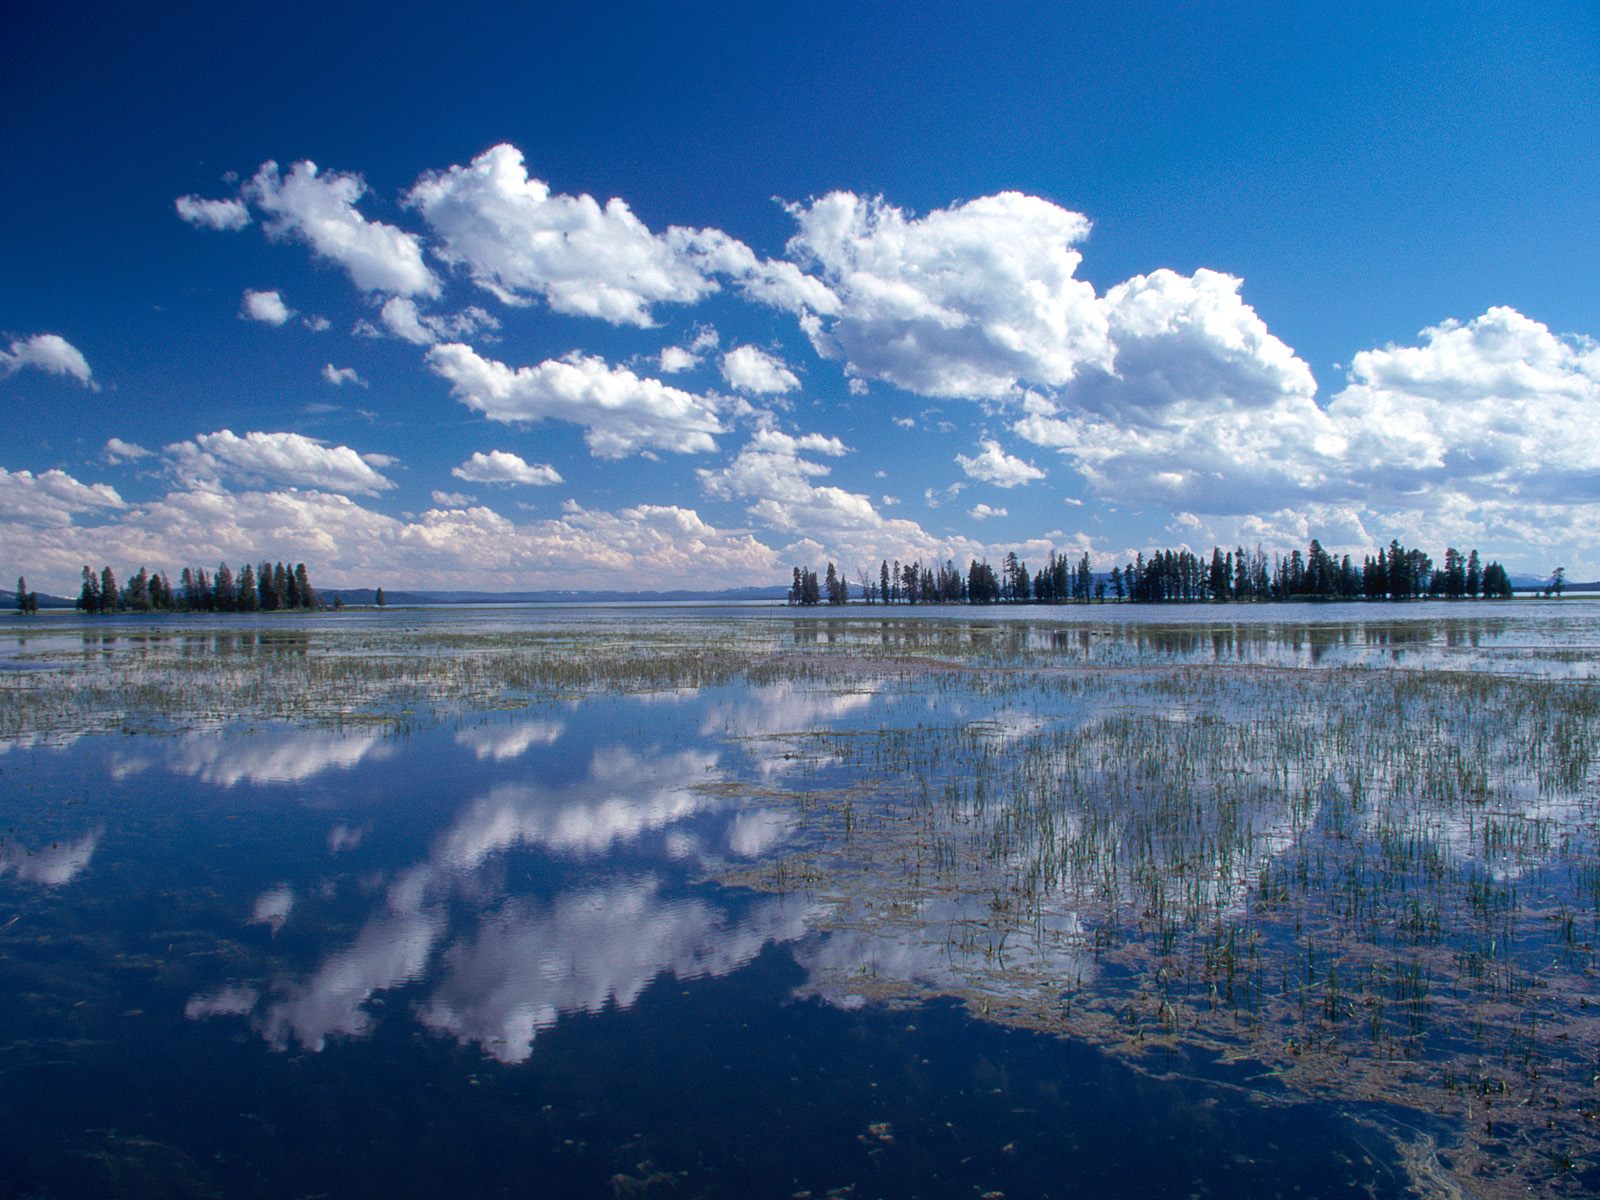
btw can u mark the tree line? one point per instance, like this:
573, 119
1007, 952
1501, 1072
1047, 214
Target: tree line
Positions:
1170, 576
268, 587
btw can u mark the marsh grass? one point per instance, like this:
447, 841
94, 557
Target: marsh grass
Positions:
1381, 884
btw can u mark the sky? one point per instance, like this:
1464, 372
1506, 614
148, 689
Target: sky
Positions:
649, 296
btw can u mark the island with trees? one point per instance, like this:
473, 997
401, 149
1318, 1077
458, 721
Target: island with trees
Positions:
267, 587
1169, 576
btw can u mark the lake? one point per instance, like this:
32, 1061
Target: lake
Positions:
1279, 900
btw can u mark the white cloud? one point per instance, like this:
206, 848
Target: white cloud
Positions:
982, 512
320, 210
500, 466
770, 473
118, 451
971, 300
994, 465
674, 360
402, 318
229, 214
51, 498
339, 376
621, 412
48, 352
754, 370
518, 240
452, 499
1202, 408
1495, 410
267, 307
289, 458
347, 545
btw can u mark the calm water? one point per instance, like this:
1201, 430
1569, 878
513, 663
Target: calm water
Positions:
948, 904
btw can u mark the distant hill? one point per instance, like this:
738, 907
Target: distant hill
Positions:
1536, 583
8, 601
361, 596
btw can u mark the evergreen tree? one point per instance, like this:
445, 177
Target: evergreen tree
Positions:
89, 595
108, 591
1496, 583
249, 598
227, 596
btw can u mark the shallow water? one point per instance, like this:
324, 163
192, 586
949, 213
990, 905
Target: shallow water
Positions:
619, 902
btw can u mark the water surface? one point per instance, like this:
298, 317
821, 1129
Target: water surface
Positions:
619, 902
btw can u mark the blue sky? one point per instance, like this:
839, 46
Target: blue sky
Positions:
667, 295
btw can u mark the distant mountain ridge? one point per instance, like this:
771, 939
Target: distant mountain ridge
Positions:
359, 596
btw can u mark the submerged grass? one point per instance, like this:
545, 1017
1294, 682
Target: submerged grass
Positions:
1381, 884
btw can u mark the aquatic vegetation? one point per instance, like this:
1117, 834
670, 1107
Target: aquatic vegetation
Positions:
1380, 884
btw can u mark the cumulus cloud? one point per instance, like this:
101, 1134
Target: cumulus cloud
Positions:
452, 499
520, 241
119, 451
1201, 409
771, 474
51, 498
339, 376
289, 458
347, 545
267, 307
994, 465
676, 359
229, 214
754, 370
405, 320
500, 466
320, 210
982, 512
1496, 409
972, 300
48, 352
621, 412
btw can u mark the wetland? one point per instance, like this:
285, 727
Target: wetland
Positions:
1100, 901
